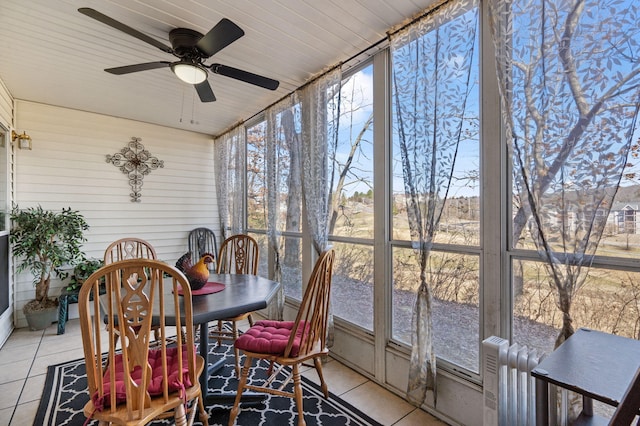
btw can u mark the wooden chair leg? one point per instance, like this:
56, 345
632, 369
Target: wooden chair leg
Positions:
297, 390
236, 351
318, 364
219, 332
243, 381
204, 417
234, 330
180, 415
250, 319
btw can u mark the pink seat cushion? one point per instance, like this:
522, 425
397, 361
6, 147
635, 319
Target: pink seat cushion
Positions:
271, 337
155, 384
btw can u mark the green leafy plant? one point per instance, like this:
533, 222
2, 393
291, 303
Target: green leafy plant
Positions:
82, 271
45, 241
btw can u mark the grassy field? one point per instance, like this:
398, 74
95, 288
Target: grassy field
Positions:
609, 300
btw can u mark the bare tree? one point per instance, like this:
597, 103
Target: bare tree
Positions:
343, 173
589, 48
256, 178
294, 196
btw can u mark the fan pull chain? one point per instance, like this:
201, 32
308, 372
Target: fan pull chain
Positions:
182, 106
193, 108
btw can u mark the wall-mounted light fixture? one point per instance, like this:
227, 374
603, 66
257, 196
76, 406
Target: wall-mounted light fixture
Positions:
24, 140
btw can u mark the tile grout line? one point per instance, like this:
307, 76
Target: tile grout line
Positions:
403, 417
354, 388
33, 361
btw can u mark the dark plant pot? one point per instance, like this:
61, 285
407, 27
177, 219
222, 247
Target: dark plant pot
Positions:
41, 319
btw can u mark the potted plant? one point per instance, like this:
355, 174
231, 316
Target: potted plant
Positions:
82, 271
45, 241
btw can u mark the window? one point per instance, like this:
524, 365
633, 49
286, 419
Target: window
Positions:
477, 256
274, 195
568, 165
351, 210
454, 278
453, 264
256, 177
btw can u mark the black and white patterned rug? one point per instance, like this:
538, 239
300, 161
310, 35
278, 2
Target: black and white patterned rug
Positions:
65, 393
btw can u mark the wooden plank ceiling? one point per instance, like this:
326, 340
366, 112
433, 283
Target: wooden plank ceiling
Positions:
51, 53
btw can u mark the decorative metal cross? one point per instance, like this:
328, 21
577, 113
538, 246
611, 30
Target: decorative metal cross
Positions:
135, 162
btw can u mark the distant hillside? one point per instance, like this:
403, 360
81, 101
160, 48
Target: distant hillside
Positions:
628, 194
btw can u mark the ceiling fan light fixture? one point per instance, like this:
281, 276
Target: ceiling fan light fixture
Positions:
189, 73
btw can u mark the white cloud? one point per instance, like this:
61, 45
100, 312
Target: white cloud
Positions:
357, 95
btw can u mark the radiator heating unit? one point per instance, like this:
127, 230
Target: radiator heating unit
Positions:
509, 390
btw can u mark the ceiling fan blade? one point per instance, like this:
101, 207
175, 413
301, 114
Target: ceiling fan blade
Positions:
124, 28
245, 76
138, 67
223, 34
205, 92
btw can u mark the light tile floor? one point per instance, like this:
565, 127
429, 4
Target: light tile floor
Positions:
26, 354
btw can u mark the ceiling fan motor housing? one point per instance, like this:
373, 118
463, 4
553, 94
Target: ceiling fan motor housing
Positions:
183, 41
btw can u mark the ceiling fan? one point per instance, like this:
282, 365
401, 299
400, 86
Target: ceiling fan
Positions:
192, 49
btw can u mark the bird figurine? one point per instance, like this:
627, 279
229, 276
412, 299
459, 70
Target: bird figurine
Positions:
197, 274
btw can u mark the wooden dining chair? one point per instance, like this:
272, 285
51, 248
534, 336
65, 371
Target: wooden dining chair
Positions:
238, 255
290, 343
129, 248
139, 383
203, 241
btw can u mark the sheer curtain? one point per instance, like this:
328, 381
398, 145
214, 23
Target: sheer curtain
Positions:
319, 114
282, 144
569, 75
431, 77
320, 110
229, 155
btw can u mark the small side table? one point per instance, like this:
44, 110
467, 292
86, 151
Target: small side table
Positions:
591, 363
67, 297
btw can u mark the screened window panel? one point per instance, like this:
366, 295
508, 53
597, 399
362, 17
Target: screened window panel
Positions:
256, 177
352, 286
456, 314
351, 212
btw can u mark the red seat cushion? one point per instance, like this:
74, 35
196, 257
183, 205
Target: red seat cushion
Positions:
155, 384
271, 337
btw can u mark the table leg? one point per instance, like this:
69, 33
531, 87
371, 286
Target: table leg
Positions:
587, 406
219, 398
542, 403
204, 353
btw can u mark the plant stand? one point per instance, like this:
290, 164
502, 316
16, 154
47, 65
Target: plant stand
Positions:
67, 297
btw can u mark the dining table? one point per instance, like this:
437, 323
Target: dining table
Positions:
241, 294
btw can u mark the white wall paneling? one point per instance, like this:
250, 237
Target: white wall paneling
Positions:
67, 168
